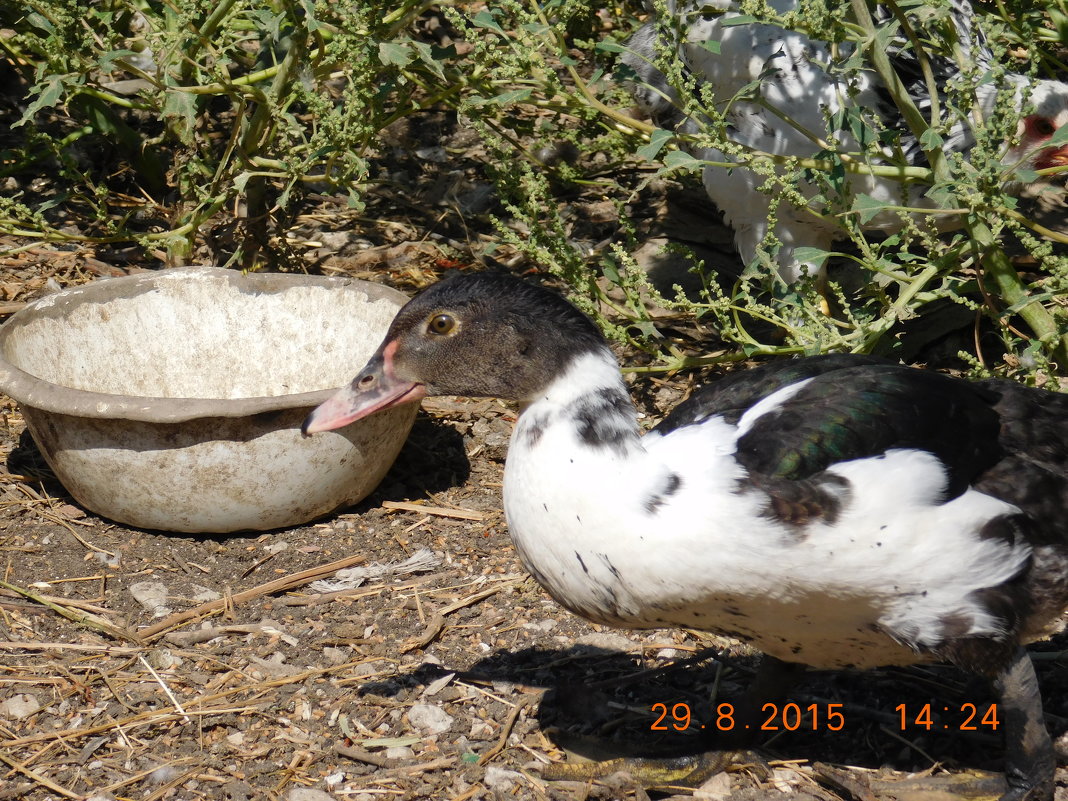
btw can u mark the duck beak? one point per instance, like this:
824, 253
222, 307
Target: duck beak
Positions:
375, 388
1055, 157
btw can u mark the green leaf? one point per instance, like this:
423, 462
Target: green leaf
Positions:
943, 196
741, 19
610, 272
867, 207
1025, 176
931, 140
484, 19
609, 46
657, 140
1060, 23
48, 94
107, 61
40, 21
1060, 136
647, 329
503, 99
811, 255
181, 109
310, 20
680, 159
391, 53
426, 55
712, 46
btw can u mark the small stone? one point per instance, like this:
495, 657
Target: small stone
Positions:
308, 794
70, 512
274, 666
204, 594
366, 669
236, 791
152, 595
436, 154
336, 656
481, 730
20, 707
608, 641
399, 752
164, 659
541, 625
429, 718
785, 779
334, 240
438, 685
717, 788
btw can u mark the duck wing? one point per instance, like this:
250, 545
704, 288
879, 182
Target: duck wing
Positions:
799, 418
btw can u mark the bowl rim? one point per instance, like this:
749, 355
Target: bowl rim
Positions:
37, 393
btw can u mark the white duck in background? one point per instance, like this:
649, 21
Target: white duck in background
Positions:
832, 511
804, 81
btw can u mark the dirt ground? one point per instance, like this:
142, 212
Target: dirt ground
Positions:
225, 675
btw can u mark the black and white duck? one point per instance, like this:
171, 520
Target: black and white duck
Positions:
833, 511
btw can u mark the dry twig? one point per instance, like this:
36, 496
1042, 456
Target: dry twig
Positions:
509, 724
440, 511
86, 619
277, 585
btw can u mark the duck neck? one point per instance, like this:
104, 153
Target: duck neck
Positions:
588, 401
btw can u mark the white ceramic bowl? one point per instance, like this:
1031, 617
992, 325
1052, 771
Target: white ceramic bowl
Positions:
173, 400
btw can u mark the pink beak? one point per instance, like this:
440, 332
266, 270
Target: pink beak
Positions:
375, 388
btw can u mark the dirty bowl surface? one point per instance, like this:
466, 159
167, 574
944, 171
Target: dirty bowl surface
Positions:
173, 400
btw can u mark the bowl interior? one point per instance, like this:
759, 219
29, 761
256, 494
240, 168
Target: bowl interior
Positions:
212, 334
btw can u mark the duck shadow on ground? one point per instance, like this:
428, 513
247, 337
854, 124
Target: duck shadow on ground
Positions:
603, 704
432, 460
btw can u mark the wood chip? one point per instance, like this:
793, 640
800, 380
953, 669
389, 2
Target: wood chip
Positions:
439, 511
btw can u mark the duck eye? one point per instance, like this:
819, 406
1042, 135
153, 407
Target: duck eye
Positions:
1041, 126
441, 324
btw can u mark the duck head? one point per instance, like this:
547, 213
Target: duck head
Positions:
476, 335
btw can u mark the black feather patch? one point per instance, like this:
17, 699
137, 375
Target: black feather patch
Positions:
867, 410
657, 499
605, 418
732, 395
798, 503
533, 429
